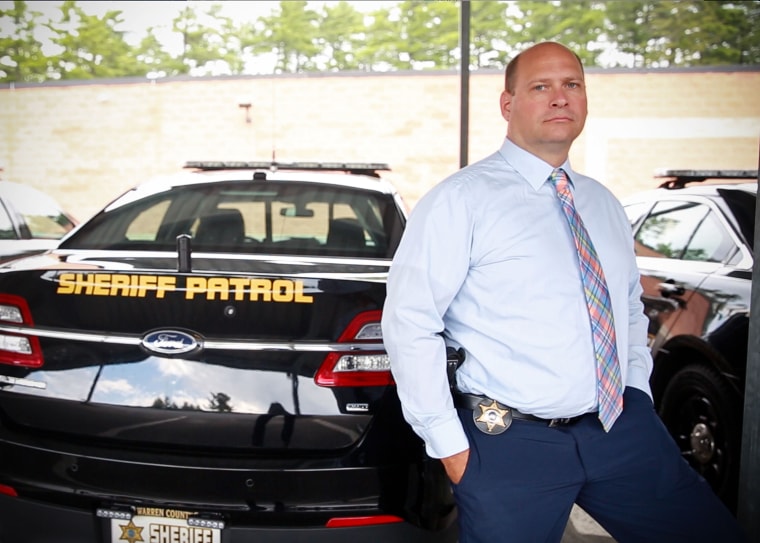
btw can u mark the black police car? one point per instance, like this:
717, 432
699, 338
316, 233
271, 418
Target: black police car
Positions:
202, 360
694, 241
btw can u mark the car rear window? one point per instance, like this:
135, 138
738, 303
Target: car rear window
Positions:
251, 217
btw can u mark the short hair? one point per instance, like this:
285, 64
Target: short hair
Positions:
510, 74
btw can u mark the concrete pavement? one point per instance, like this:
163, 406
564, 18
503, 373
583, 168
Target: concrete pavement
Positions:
583, 529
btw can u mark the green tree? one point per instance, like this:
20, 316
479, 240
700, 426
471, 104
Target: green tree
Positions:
151, 54
489, 34
716, 33
577, 24
748, 31
630, 28
204, 46
410, 34
91, 47
381, 49
220, 402
685, 33
21, 59
290, 33
341, 29
431, 33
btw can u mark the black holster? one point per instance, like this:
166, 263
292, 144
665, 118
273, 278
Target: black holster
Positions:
454, 359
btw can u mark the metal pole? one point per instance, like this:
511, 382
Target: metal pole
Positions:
464, 92
748, 510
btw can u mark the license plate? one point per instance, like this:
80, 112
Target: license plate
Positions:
158, 525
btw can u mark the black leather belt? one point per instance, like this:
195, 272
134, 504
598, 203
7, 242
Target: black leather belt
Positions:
496, 417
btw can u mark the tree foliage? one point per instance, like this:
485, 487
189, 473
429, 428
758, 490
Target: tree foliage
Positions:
406, 35
91, 47
21, 57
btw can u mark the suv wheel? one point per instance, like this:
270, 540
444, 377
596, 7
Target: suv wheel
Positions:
703, 415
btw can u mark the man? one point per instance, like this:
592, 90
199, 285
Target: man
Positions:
552, 404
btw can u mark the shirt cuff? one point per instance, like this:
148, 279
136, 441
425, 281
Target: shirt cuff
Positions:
639, 378
446, 439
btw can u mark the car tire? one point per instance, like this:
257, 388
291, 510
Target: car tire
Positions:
703, 414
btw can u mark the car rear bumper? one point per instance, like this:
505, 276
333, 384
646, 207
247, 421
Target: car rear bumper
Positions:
35, 522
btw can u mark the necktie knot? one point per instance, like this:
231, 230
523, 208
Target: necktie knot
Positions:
559, 179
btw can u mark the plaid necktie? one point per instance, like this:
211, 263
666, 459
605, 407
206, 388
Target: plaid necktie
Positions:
609, 382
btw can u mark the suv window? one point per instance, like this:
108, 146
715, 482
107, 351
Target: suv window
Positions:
710, 243
6, 225
635, 212
683, 230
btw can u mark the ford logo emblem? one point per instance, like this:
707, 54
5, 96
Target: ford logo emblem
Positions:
170, 342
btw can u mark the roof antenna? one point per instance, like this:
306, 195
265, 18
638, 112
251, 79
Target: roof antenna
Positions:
274, 120
184, 252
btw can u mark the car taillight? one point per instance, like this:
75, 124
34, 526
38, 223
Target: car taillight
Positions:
357, 368
344, 522
8, 491
17, 349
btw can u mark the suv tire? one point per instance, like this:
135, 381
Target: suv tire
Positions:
703, 414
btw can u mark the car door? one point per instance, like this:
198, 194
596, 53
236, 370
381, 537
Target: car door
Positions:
678, 245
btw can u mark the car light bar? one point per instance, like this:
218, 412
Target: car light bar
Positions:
678, 179
365, 168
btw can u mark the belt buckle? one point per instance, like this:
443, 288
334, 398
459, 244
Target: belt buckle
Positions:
564, 421
491, 417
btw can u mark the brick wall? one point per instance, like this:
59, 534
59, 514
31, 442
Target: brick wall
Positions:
85, 142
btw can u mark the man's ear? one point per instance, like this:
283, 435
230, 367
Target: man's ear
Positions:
505, 103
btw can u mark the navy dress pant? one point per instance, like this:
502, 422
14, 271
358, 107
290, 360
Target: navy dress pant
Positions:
520, 486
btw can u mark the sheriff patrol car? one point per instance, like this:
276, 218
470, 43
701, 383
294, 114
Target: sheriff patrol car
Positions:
202, 361
694, 240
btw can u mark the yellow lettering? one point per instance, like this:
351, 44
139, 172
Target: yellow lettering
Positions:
164, 284
134, 283
119, 285
150, 511
66, 283
217, 285
193, 286
86, 283
302, 298
261, 287
101, 284
283, 290
238, 286
147, 282
214, 288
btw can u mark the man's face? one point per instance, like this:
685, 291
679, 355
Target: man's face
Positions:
546, 109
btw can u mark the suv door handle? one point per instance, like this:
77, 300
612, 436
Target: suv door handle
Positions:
670, 288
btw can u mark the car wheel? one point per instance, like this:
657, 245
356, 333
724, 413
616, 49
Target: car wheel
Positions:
703, 414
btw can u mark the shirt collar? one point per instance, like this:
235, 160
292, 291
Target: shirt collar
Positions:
528, 165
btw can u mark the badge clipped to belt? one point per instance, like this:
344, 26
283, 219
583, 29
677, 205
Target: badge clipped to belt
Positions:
491, 417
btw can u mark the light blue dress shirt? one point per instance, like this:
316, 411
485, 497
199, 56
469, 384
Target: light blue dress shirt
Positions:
487, 261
